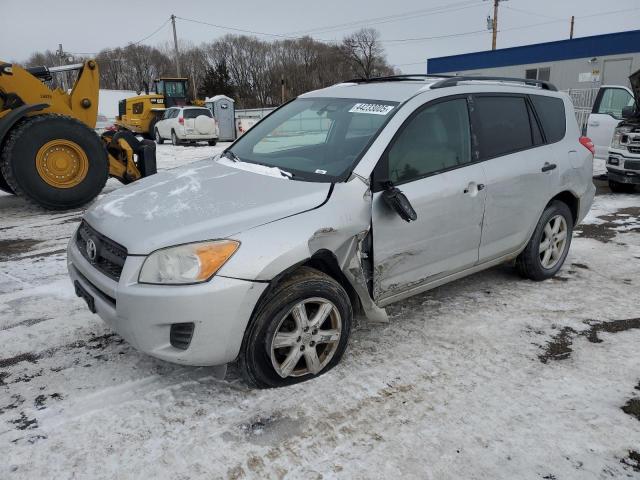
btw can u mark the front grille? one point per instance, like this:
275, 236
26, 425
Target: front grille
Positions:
180, 336
633, 149
632, 164
108, 257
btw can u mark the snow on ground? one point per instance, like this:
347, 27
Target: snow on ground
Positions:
489, 377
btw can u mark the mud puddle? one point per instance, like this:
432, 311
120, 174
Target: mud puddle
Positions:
14, 246
559, 347
624, 220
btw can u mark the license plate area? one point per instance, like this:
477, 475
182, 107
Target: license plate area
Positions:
86, 296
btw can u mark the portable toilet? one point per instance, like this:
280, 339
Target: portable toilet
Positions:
224, 112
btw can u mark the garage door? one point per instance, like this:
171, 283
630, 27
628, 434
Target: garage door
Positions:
616, 72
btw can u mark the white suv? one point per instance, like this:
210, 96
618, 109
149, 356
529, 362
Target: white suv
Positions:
186, 124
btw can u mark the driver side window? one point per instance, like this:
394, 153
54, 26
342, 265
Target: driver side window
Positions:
437, 138
612, 102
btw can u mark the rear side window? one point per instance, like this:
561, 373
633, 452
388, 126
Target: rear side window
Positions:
503, 125
196, 112
550, 111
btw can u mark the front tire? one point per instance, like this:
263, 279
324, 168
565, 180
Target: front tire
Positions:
159, 139
55, 161
299, 332
617, 187
4, 186
549, 245
212, 143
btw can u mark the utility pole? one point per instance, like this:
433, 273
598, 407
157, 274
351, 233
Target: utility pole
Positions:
492, 23
175, 45
573, 19
61, 60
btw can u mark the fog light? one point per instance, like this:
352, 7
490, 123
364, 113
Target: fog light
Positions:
614, 161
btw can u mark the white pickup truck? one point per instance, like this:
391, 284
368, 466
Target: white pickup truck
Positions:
614, 128
606, 115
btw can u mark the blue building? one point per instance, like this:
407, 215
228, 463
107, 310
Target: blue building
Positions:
580, 63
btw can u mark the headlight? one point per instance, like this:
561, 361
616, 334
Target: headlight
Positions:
190, 263
620, 138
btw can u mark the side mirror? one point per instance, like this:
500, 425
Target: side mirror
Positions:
628, 112
399, 202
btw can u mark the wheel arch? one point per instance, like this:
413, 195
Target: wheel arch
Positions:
571, 200
9, 120
322, 260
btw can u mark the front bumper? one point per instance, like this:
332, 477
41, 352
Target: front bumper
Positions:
617, 170
623, 176
143, 314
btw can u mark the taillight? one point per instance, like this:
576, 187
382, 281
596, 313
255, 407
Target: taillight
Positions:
181, 122
588, 144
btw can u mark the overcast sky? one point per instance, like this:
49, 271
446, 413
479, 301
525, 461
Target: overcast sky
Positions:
86, 26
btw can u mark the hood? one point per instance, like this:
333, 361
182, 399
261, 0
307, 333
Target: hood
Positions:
202, 201
634, 80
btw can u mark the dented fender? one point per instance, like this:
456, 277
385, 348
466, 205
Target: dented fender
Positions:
268, 250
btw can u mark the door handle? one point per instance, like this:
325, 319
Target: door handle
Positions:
594, 124
470, 189
547, 167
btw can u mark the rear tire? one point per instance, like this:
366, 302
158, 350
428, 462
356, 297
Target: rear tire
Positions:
159, 139
54, 161
212, 143
540, 260
617, 187
174, 139
325, 342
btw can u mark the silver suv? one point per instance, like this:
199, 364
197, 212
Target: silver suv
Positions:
338, 203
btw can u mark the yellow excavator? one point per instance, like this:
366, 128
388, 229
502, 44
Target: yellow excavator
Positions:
139, 114
49, 150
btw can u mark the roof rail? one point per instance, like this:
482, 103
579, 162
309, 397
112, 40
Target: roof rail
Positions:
454, 80
396, 78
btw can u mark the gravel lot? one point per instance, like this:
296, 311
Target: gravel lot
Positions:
489, 377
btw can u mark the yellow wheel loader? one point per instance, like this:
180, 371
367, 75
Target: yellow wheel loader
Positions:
139, 114
49, 150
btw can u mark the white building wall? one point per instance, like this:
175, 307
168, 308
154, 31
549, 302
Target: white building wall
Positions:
582, 73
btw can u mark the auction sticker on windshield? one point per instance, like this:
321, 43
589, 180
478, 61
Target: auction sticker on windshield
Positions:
371, 108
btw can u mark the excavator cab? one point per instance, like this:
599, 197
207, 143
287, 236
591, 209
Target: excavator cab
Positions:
174, 91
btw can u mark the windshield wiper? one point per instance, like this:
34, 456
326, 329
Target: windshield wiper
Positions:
231, 156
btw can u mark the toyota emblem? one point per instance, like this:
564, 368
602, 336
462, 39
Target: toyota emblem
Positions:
92, 250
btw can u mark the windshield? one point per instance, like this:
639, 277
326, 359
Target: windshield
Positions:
171, 88
314, 138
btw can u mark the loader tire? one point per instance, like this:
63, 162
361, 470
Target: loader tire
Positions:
54, 161
4, 186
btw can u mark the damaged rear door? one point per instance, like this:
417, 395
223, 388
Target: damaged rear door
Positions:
430, 161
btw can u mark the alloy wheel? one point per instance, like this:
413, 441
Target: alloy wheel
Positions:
553, 242
306, 338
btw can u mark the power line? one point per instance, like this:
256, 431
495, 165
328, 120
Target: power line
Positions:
420, 39
528, 12
506, 30
242, 30
153, 33
392, 18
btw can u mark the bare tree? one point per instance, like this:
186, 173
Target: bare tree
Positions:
249, 68
364, 53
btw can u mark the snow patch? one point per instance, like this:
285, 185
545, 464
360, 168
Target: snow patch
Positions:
254, 168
